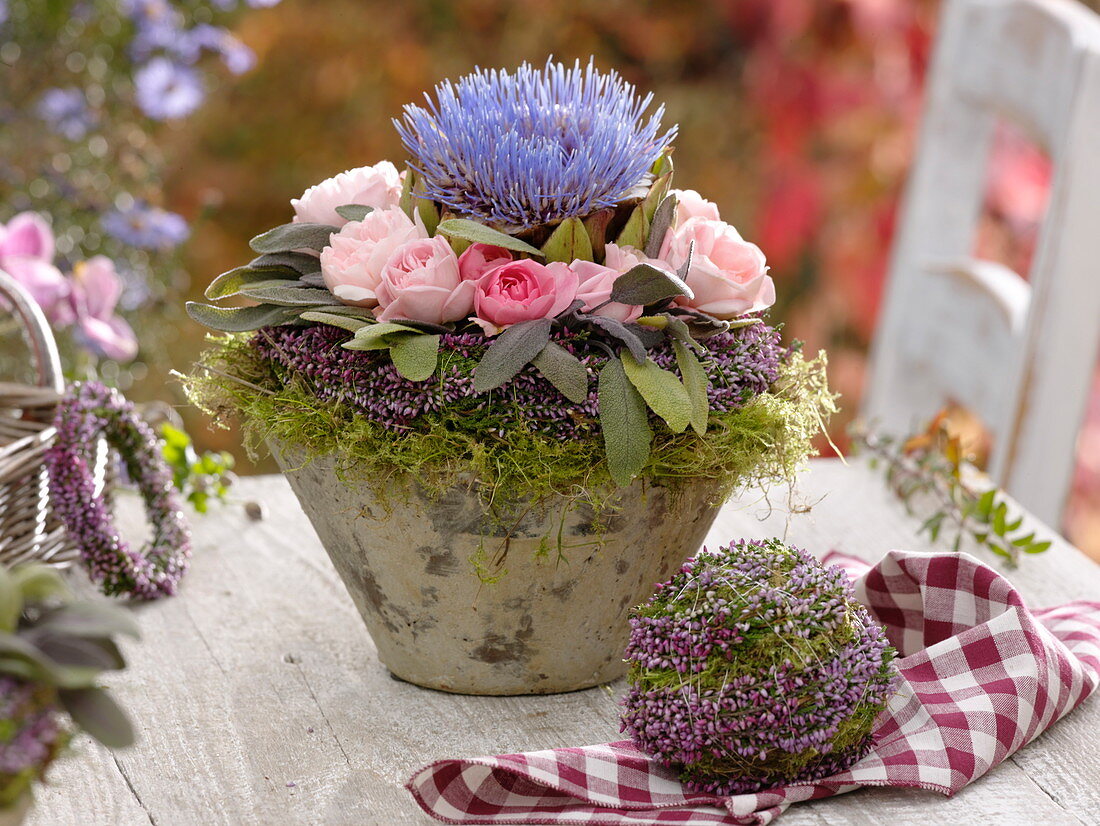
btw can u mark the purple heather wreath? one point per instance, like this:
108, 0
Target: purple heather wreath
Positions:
753, 667
91, 411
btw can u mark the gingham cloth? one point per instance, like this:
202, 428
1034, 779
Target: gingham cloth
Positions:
982, 676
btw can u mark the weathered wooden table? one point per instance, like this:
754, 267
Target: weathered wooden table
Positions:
258, 698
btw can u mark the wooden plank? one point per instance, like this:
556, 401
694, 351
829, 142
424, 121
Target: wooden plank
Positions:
259, 699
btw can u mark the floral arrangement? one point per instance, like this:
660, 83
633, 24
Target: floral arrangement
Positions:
753, 667
527, 294
52, 652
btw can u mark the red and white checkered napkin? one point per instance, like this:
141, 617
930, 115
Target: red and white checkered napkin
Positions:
982, 676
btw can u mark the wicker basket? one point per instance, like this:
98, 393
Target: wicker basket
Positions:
29, 530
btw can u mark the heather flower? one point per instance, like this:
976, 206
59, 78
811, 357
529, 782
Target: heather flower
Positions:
166, 89
740, 364
31, 734
754, 667
526, 147
145, 226
377, 186
66, 112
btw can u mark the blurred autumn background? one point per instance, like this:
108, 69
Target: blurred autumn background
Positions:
798, 117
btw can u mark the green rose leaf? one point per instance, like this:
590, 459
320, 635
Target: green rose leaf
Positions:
477, 233
696, 383
240, 319
290, 237
94, 711
295, 295
625, 423
568, 242
645, 284
302, 263
354, 212
662, 220
662, 391
512, 350
378, 336
415, 356
345, 322
634, 233
232, 282
563, 370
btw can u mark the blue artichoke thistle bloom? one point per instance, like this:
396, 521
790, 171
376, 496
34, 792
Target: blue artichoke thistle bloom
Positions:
523, 148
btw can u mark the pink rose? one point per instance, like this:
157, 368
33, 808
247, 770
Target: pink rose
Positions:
377, 186
728, 275
478, 259
352, 262
597, 280
420, 282
522, 290
690, 204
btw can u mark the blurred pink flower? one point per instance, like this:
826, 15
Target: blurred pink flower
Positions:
94, 290
352, 263
421, 282
522, 290
728, 275
377, 186
26, 254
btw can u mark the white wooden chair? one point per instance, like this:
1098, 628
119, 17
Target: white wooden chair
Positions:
1018, 353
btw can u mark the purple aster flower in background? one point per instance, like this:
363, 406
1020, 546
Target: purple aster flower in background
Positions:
66, 112
167, 89
3, 12
535, 145
145, 226
238, 57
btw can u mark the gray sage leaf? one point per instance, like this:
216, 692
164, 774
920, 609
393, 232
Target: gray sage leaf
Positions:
510, 353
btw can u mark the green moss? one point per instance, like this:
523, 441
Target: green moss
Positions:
767, 440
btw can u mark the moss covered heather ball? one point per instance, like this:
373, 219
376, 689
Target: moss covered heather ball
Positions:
754, 667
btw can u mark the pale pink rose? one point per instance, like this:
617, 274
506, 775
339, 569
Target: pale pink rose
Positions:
690, 204
728, 275
597, 280
478, 259
352, 262
377, 186
420, 282
522, 290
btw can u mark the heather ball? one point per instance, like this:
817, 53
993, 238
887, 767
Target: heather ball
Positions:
754, 667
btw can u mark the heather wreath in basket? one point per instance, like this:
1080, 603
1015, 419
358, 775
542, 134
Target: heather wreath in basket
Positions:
526, 346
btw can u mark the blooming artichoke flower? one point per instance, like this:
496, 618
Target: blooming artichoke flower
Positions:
753, 667
526, 148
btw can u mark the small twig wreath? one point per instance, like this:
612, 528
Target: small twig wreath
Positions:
88, 412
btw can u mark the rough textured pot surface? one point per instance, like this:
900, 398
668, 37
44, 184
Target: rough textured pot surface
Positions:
551, 623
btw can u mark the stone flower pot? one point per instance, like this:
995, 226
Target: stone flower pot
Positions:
553, 621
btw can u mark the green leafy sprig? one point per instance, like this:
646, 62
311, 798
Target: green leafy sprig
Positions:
928, 473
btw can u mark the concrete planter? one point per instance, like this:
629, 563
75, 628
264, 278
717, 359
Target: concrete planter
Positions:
549, 624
